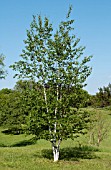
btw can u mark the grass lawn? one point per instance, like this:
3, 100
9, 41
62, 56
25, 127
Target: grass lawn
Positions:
19, 152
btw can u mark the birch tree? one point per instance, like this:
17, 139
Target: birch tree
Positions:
55, 61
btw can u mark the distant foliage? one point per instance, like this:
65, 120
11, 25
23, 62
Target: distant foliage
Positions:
99, 127
11, 113
103, 97
16, 106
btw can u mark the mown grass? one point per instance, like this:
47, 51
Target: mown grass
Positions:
20, 152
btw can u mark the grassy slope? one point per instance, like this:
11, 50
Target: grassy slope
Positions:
36, 156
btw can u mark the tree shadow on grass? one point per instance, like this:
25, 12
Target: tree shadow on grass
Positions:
21, 143
72, 153
2, 145
25, 142
14, 131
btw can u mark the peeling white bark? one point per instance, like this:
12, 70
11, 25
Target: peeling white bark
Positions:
56, 153
55, 124
45, 97
56, 150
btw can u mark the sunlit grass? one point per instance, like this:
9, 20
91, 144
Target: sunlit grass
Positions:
75, 155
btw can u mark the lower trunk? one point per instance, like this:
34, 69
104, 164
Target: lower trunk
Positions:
55, 153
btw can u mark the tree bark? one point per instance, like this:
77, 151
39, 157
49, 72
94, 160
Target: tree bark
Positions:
56, 149
55, 153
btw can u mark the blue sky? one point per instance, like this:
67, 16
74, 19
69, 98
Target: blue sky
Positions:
92, 26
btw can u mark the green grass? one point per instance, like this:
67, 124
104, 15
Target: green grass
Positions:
20, 152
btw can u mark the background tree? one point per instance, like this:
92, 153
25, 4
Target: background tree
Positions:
56, 63
99, 127
12, 116
103, 97
2, 71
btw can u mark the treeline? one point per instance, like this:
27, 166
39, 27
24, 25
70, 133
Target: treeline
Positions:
17, 104
102, 97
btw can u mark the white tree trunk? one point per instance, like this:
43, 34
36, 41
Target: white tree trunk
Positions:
56, 150
56, 153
